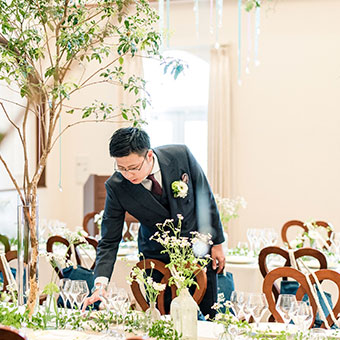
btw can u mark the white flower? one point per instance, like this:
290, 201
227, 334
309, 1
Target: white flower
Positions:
180, 189
158, 286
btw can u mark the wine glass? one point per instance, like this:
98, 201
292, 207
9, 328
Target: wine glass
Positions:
283, 306
301, 313
238, 299
257, 304
64, 285
79, 291
67, 292
121, 304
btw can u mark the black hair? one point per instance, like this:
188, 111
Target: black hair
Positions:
129, 140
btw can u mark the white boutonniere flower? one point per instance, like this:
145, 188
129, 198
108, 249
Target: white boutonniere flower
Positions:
180, 189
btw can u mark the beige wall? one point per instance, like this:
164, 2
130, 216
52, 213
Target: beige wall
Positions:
285, 118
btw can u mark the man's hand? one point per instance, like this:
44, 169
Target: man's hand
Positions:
218, 258
92, 299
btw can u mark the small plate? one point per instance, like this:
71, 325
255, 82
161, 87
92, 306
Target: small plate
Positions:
239, 259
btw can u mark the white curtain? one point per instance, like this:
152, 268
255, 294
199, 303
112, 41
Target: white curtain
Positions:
219, 122
131, 66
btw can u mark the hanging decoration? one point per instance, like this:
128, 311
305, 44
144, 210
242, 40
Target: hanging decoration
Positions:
197, 18
249, 29
167, 23
161, 19
211, 17
257, 34
239, 42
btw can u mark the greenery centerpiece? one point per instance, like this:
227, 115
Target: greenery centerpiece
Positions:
41, 43
187, 257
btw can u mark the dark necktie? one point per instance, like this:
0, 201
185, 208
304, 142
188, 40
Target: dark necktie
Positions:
156, 188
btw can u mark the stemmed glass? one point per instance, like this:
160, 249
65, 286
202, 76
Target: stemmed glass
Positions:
64, 285
257, 305
79, 291
301, 313
238, 300
107, 296
67, 292
121, 304
284, 307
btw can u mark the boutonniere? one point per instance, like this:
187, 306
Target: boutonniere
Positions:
179, 188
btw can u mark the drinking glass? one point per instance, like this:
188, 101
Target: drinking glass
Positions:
238, 300
79, 291
283, 306
250, 236
301, 313
257, 304
64, 285
67, 292
121, 304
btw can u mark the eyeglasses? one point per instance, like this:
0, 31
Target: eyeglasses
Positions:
120, 169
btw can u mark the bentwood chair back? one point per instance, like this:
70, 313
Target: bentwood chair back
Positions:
303, 289
266, 252
325, 275
5, 241
201, 279
10, 333
59, 239
87, 218
296, 223
128, 220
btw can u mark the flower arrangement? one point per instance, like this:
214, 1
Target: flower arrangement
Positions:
187, 255
228, 208
152, 288
313, 236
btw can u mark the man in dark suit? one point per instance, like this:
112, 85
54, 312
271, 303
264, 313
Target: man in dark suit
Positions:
142, 185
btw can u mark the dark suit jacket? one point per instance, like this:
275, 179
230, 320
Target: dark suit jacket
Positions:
198, 207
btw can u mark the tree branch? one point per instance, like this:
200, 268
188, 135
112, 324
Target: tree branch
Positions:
12, 178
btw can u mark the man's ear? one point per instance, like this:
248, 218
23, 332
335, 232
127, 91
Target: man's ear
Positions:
149, 155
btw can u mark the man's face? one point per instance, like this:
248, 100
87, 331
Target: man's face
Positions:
135, 168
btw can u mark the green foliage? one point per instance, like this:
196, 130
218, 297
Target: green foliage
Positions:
40, 41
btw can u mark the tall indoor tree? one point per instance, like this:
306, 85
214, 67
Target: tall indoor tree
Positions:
41, 41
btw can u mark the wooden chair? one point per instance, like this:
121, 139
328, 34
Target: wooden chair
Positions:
198, 295
128, 220
300, 224
265, 252
327, 275
87, 218
10, 333
5, 241
59, 239
280, 273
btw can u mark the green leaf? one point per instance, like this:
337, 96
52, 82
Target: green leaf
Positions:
121, 60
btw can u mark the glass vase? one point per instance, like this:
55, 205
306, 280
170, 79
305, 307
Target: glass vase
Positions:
152, 313
27, 274
183, 311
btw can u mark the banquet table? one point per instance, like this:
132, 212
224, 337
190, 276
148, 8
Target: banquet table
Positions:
246, 274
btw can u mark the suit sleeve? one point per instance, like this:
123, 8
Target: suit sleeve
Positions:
111, 235
208, 217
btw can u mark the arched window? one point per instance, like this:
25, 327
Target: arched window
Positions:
179, 107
